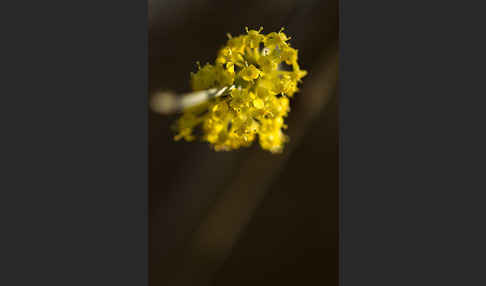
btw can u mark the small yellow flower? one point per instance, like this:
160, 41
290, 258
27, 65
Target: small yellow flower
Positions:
250, 73
255, 93
254, 38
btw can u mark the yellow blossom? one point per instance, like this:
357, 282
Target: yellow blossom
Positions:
257, 102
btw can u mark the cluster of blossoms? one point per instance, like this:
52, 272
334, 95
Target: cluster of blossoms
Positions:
257, 93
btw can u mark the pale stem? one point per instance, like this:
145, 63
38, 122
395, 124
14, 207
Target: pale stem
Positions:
168, 102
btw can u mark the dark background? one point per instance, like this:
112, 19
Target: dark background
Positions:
245, 217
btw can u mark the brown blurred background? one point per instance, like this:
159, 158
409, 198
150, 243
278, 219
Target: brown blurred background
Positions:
245, 217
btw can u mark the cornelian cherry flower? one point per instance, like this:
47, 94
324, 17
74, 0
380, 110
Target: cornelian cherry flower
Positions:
244, 95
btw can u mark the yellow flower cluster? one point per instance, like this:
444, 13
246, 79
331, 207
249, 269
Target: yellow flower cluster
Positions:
263, 73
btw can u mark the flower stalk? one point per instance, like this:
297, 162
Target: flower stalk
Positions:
170, 103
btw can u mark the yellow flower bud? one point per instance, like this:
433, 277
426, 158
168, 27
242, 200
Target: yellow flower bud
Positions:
258, 103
